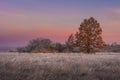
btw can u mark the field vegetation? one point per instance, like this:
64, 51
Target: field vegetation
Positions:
59, 66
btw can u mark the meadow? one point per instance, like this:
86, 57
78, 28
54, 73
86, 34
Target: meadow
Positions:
59, 66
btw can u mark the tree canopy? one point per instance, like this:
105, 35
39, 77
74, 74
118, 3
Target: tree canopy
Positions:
89, 36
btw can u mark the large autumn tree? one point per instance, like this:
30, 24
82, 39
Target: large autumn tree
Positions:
89, 36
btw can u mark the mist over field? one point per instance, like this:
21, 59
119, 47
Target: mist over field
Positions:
59, 66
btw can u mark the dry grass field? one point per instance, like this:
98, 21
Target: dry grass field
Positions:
59, 66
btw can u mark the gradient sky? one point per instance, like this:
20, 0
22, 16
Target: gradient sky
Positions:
23, 20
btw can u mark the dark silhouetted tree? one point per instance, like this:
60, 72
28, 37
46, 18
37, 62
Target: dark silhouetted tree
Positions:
21, 49
59, 47
70, 42
89, 36
38, 45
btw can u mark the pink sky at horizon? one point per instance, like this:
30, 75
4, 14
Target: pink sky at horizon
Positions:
19, 25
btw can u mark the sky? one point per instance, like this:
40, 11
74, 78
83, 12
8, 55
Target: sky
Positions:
23, 20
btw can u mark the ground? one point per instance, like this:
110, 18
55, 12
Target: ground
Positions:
59, 66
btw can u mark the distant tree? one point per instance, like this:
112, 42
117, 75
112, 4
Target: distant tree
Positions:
114, 44
21, 49
39, 44
70, 42
42, 45
59, 47
89, 36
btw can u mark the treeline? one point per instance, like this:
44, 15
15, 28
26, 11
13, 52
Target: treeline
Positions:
43, 45
114, 47
88, 39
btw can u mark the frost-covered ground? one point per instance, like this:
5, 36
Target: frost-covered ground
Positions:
59, 66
